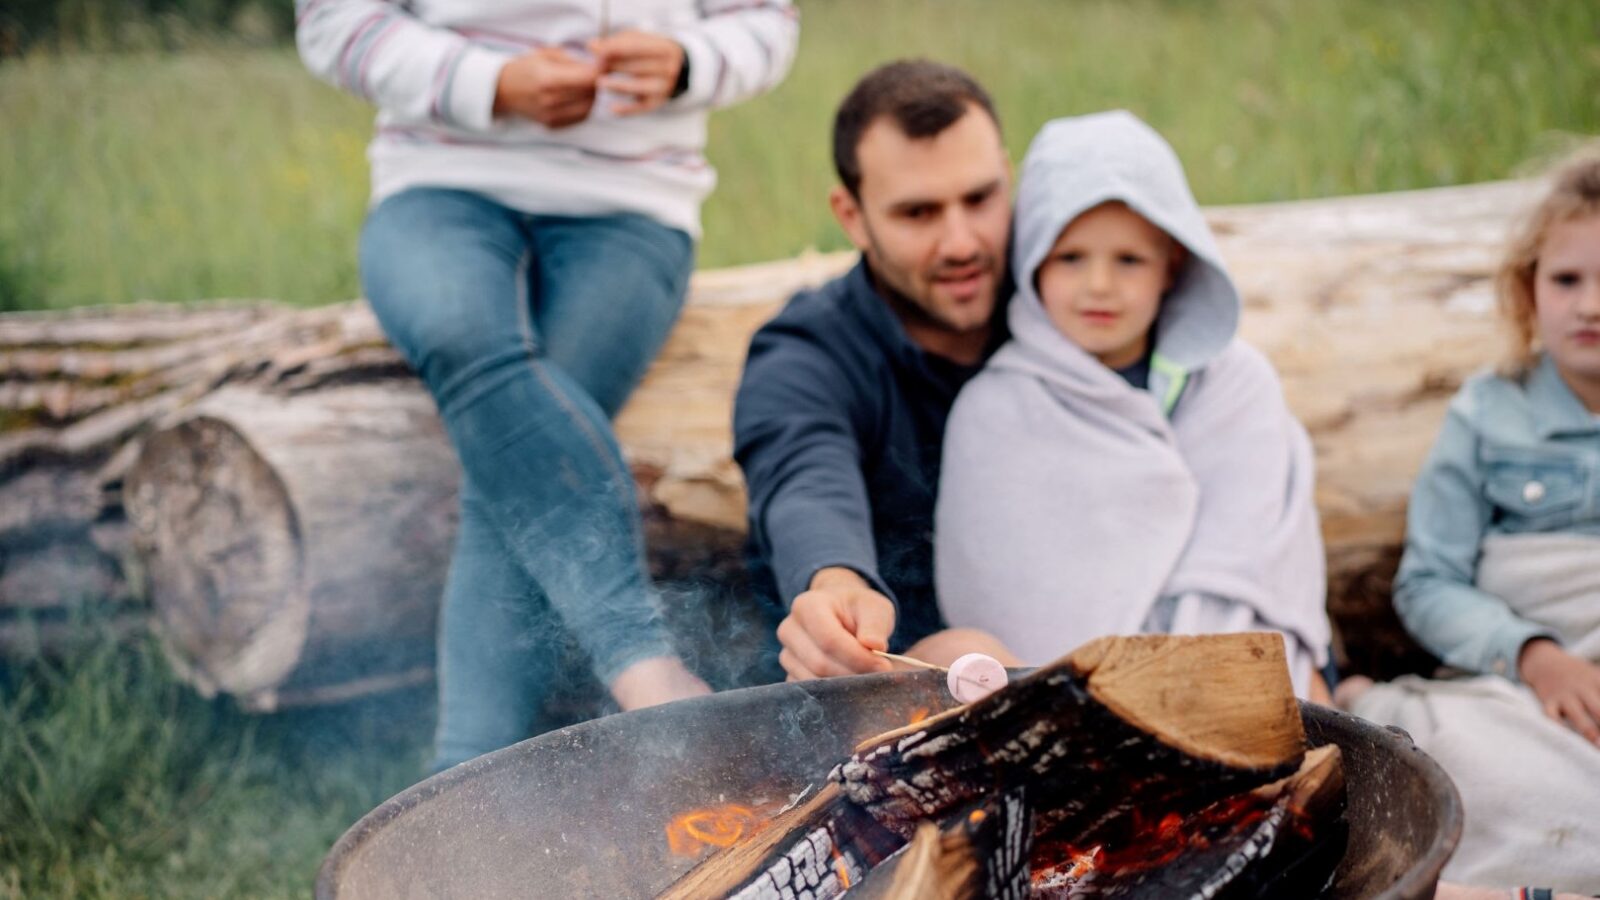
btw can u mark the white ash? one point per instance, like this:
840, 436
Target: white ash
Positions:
808, 871
910, 740
794, 799
934, 746
1021, 746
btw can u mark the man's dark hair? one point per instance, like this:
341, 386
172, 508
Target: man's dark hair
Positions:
921, 96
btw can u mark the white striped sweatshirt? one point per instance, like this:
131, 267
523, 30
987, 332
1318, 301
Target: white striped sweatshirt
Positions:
431, 67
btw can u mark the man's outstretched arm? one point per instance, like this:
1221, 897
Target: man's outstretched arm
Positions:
810, 515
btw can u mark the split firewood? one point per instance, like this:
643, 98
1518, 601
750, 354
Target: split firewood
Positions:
1122, 724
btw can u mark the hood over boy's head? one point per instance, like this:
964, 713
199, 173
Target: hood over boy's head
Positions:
1113, 170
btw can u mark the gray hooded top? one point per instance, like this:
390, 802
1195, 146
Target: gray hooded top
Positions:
1074, 505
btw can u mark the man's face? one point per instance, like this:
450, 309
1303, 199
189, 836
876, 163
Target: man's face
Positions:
933, 217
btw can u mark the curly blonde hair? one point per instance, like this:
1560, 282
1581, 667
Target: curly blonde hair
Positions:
1574, 194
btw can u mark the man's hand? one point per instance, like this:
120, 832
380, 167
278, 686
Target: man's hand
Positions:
1569, 687
640, 66
833, 628
549, 86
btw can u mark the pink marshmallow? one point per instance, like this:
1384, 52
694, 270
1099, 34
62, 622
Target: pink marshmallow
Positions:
974, 677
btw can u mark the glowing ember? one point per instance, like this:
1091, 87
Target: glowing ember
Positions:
1214, 836
918, 714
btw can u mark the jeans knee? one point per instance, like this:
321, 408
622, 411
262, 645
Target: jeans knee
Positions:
441, 271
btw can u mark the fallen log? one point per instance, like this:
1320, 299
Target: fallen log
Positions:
1373, 309
269, 577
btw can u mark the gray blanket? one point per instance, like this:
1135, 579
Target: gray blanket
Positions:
1071, 505
1530, 786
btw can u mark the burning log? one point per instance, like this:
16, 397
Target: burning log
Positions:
1280, 840
984, 853
1120, 727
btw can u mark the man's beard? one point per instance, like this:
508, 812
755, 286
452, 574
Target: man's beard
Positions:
915, 314
923, 313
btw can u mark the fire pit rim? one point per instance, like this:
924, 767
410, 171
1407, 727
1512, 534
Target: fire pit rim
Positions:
1417, 881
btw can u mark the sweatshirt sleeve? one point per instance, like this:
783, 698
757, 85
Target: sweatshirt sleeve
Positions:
738, 49
1435, 592
377, 50
802, 458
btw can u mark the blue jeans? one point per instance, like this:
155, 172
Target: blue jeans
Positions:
530, 331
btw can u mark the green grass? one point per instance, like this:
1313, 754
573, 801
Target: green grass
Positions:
231, 173
119, 782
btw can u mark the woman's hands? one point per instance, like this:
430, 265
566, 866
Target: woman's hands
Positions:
1567, 686
549, 86
558, 88
638, 65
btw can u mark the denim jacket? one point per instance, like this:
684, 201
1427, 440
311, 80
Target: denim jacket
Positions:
1514, 456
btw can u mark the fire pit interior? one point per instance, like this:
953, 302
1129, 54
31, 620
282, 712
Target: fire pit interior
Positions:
626, 806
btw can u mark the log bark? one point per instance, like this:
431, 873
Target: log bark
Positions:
1373, 309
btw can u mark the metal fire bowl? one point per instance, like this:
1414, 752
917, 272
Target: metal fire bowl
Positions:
583, 812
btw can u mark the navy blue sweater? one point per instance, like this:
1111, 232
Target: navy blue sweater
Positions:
839, 425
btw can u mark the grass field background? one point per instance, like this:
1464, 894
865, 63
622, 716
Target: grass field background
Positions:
225, 170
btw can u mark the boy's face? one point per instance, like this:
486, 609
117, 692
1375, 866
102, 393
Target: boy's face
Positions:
1103, 281
1566, 298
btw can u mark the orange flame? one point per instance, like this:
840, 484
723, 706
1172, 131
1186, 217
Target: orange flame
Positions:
842, 869
918, 714
718, 826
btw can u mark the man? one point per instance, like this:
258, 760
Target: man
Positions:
839, 418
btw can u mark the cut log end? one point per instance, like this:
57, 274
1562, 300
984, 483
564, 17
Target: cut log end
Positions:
219, 536
1250, 718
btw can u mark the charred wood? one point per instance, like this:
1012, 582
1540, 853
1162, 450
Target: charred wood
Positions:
982, 853
1280, 840
1120, 725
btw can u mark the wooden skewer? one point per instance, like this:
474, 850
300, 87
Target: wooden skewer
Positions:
910, 661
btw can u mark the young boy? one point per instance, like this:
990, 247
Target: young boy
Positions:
1125, 464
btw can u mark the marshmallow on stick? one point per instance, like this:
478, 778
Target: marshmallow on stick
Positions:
970, 678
